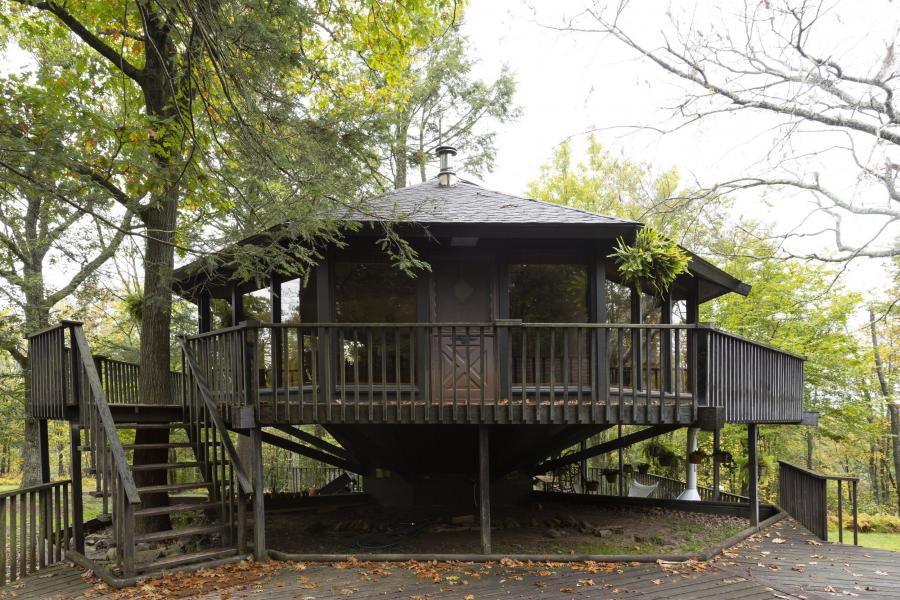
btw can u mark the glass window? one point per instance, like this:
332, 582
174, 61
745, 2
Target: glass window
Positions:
618, 303
373, 293
548, 293
258, 306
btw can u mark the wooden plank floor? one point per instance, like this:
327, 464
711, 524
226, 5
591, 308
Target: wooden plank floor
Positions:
784, 562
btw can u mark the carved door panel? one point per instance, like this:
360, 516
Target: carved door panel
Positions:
463, 293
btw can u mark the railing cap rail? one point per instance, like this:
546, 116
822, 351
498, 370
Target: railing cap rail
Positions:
726, 333
811, 473
505, 323
34, 488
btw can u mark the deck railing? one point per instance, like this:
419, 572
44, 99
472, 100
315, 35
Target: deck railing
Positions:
121, 381
536, 371
77, 386
35, 528
803, 494
596, 482
752, 381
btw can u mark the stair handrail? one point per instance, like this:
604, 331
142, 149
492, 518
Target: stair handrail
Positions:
106, 419
205, 395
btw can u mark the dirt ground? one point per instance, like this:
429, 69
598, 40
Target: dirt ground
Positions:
546, 528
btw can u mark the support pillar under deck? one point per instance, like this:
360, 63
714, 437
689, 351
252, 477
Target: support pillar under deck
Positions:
753, 473
690, 490
259, 508
484, 489
77, 504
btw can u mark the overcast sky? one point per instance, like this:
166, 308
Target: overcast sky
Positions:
571, 83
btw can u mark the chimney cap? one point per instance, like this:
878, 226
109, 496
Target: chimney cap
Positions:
445, 149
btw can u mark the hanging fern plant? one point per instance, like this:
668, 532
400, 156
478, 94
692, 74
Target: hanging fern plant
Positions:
652, 261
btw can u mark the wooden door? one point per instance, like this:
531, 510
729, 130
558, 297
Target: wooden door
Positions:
463, 293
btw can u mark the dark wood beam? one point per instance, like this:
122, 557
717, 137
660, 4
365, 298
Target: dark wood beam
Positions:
259, 497
204, 313
286, 444
316, 441
621, 442
566, 438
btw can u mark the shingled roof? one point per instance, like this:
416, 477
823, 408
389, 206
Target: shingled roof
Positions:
467, 202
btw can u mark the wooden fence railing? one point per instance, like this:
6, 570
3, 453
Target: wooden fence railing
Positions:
120, 381
667, 488
35, 528
383, 372
803, 494
752, 381
291, 479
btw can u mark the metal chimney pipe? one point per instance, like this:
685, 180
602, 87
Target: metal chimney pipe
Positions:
446, 176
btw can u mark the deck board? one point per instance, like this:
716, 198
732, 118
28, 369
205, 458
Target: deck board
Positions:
736, 575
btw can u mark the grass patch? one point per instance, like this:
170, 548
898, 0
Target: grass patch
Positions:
688, 537
884, 541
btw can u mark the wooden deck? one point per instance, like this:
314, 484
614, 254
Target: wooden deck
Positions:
784, 562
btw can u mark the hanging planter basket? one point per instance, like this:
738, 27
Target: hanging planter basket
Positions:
592, 485
667, 459
627, 469
610, 475
696, 457
643, 468
724, 457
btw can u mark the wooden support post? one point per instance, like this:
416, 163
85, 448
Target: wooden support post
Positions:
204, 313
503, 357
599, 341
276, 341
484, 488
753, 473
636, 362
44, 443
717, 475
855, 498
621, 464
237, 306
665, 342
128, 537
77, 502
259, 508
582, 466
840, 499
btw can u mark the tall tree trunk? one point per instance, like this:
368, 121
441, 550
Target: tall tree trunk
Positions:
155, 348
893, 409
400, 152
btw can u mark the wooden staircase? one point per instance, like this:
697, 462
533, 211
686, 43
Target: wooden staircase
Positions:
198, 518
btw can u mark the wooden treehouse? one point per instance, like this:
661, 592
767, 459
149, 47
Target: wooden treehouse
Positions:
520, 342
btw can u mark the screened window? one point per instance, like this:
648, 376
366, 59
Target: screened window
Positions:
373, 293
549, 357
548, 293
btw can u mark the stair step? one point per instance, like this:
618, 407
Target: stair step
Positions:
173, 425
185, 559
173, 534
160, 446
177, 487
174, 508
164, 466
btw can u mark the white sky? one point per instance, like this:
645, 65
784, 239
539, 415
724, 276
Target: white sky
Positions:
570, 83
